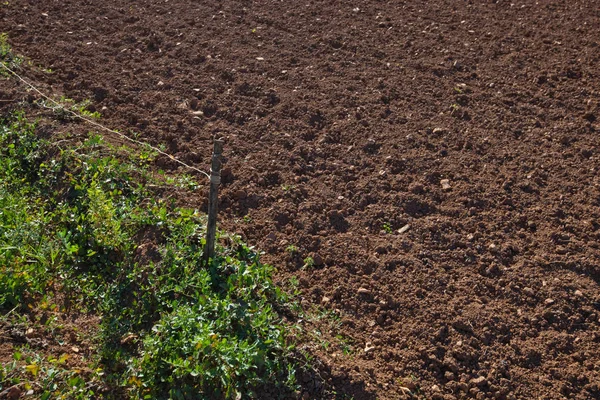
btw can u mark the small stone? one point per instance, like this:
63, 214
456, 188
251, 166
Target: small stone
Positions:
75, 349
528, 291
463, 86
445, 184
438, 131
479, 381
325, 300
549, 302
578, 293
363, 291
435, 388
160, 83
369, 347
404, 229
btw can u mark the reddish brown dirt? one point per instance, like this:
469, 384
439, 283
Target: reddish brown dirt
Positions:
342, 124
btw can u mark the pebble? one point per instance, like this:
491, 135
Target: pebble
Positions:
463, 86
445, 184
325, 300
404, 229
549, 302
529, 291
439, 131
578, 293
363, 291
368, 347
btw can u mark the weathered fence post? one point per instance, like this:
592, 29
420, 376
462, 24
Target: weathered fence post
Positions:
213, 198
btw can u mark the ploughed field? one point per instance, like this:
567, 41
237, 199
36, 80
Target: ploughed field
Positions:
426, 172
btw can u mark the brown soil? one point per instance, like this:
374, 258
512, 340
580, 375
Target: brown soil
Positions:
475, 123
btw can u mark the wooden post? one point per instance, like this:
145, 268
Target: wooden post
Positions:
213, 199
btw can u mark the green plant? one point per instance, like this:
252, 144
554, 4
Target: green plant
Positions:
387, 227
7, 57
292, 249
309, 262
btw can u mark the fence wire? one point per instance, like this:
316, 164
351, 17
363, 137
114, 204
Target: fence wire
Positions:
100, 126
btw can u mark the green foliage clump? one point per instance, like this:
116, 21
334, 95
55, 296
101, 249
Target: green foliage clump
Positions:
81, 229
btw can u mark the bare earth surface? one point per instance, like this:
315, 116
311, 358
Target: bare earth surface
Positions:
472, 123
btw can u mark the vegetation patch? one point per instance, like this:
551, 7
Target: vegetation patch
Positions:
86, 234
7, 56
